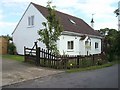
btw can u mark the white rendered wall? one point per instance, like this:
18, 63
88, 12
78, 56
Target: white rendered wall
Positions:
25, 35
63, 45
79, 45
97, 50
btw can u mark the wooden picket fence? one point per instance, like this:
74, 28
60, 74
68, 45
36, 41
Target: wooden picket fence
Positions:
45, 58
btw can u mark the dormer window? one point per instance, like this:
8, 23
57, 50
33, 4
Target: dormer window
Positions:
31, 20
73, 22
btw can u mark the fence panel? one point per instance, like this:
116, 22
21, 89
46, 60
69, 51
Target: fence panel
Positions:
29, 55
45, 58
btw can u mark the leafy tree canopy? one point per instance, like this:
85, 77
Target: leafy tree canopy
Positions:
112, 40
50, 34
7, 37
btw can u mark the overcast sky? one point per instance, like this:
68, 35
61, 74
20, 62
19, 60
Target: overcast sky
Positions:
12, 10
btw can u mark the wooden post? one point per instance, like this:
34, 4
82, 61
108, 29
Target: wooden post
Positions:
38, 56
36, 45
78, 61
93, 59
44, 57
49, 58
25, 54
52, 63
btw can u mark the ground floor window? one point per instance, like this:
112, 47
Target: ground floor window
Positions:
70, 44
96, 45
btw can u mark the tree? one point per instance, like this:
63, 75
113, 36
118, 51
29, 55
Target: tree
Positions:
111, 42
50, 34
117, 44
104, 31
7, 37
117, 12
11, 48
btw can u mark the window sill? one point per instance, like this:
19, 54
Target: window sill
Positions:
70, 50
30, 26
96, 48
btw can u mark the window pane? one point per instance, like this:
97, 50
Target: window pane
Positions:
68, 44
96, 45
32, 20
71, 44
28, 21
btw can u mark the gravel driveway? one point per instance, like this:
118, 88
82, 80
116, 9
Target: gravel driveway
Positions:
14, 71
101, 78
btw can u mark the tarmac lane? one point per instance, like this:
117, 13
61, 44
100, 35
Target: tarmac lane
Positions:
100, 78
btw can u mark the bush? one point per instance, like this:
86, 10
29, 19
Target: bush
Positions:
11, 49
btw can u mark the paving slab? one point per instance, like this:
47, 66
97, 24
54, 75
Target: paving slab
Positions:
14, 71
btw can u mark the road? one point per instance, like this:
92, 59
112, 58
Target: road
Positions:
101, 78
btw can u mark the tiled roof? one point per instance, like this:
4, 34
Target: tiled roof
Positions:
70, 23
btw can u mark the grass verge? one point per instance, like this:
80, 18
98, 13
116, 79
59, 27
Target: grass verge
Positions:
13, 57
91, 67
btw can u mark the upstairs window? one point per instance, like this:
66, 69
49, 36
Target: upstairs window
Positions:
70, 45
30, 20
96, 45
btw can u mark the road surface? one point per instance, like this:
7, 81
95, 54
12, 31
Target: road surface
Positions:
101, 78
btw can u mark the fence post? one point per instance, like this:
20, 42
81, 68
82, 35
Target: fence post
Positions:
49, 60
25, 54
78, 61
65, 62
44, 51
93, 59
38, 56
36, 45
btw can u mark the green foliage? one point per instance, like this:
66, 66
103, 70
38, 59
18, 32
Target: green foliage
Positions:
104, 31
50, 34
11, 49
7, 37
112, 42
117, 12
117, 44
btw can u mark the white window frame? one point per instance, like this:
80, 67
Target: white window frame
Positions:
31, 20
70, 45
96, 45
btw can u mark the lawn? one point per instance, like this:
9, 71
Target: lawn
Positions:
13, 57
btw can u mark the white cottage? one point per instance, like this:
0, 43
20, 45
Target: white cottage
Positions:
78, 38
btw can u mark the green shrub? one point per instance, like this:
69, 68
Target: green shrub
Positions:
84, 63
11, 49
99, 62
110, 57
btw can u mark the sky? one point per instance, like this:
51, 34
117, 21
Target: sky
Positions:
11, 12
